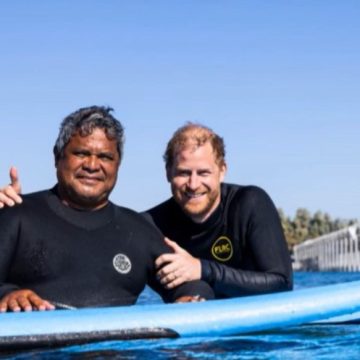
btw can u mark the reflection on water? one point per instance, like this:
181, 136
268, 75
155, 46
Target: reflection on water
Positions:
312, 342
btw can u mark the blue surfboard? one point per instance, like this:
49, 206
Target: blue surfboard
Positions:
331, 303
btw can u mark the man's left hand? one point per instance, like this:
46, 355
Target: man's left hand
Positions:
176, 268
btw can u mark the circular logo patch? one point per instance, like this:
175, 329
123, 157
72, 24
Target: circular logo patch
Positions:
122, 263
222, 249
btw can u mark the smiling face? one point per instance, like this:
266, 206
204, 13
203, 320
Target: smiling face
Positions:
87, 170
195, 179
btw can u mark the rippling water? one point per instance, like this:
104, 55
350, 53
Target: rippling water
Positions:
334, 342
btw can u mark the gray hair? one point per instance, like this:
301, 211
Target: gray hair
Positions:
84, 121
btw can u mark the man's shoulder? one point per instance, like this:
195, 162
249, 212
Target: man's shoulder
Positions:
38, 200
41, 194
251, 194
125, 211
32, 200
133, 216
242, 189
164, 208
32, 203
164, 216
165, 205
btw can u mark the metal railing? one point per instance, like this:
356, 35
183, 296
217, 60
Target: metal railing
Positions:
337, 251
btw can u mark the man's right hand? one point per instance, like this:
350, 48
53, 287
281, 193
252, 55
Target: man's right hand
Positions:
24, 300
9, 195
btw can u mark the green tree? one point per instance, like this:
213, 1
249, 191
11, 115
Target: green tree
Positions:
288, 228
301, 224
305, 226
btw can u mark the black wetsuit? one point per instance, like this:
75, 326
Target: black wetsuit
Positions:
241, 246
81, 258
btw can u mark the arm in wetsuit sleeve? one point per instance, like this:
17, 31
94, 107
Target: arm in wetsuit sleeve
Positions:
231, 282
270, 270
12, 298
9, 227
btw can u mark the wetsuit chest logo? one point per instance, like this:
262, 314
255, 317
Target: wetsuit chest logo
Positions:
122, 263
222, 249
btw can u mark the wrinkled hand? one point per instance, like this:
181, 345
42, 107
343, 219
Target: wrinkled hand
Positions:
9, 194
24, 300
188, 298
176, 268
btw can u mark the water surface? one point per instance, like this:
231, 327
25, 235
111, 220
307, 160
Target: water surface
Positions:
321, 342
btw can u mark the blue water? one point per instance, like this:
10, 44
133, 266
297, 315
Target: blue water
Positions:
334, 342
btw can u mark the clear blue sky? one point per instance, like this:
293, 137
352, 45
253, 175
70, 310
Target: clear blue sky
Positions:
279, 80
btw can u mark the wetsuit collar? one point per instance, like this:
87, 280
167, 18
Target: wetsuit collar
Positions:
89, 220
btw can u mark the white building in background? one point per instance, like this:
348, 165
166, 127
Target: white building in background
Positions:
337, 251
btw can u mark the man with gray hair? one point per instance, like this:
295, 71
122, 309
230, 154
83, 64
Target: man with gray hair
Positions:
70, 246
